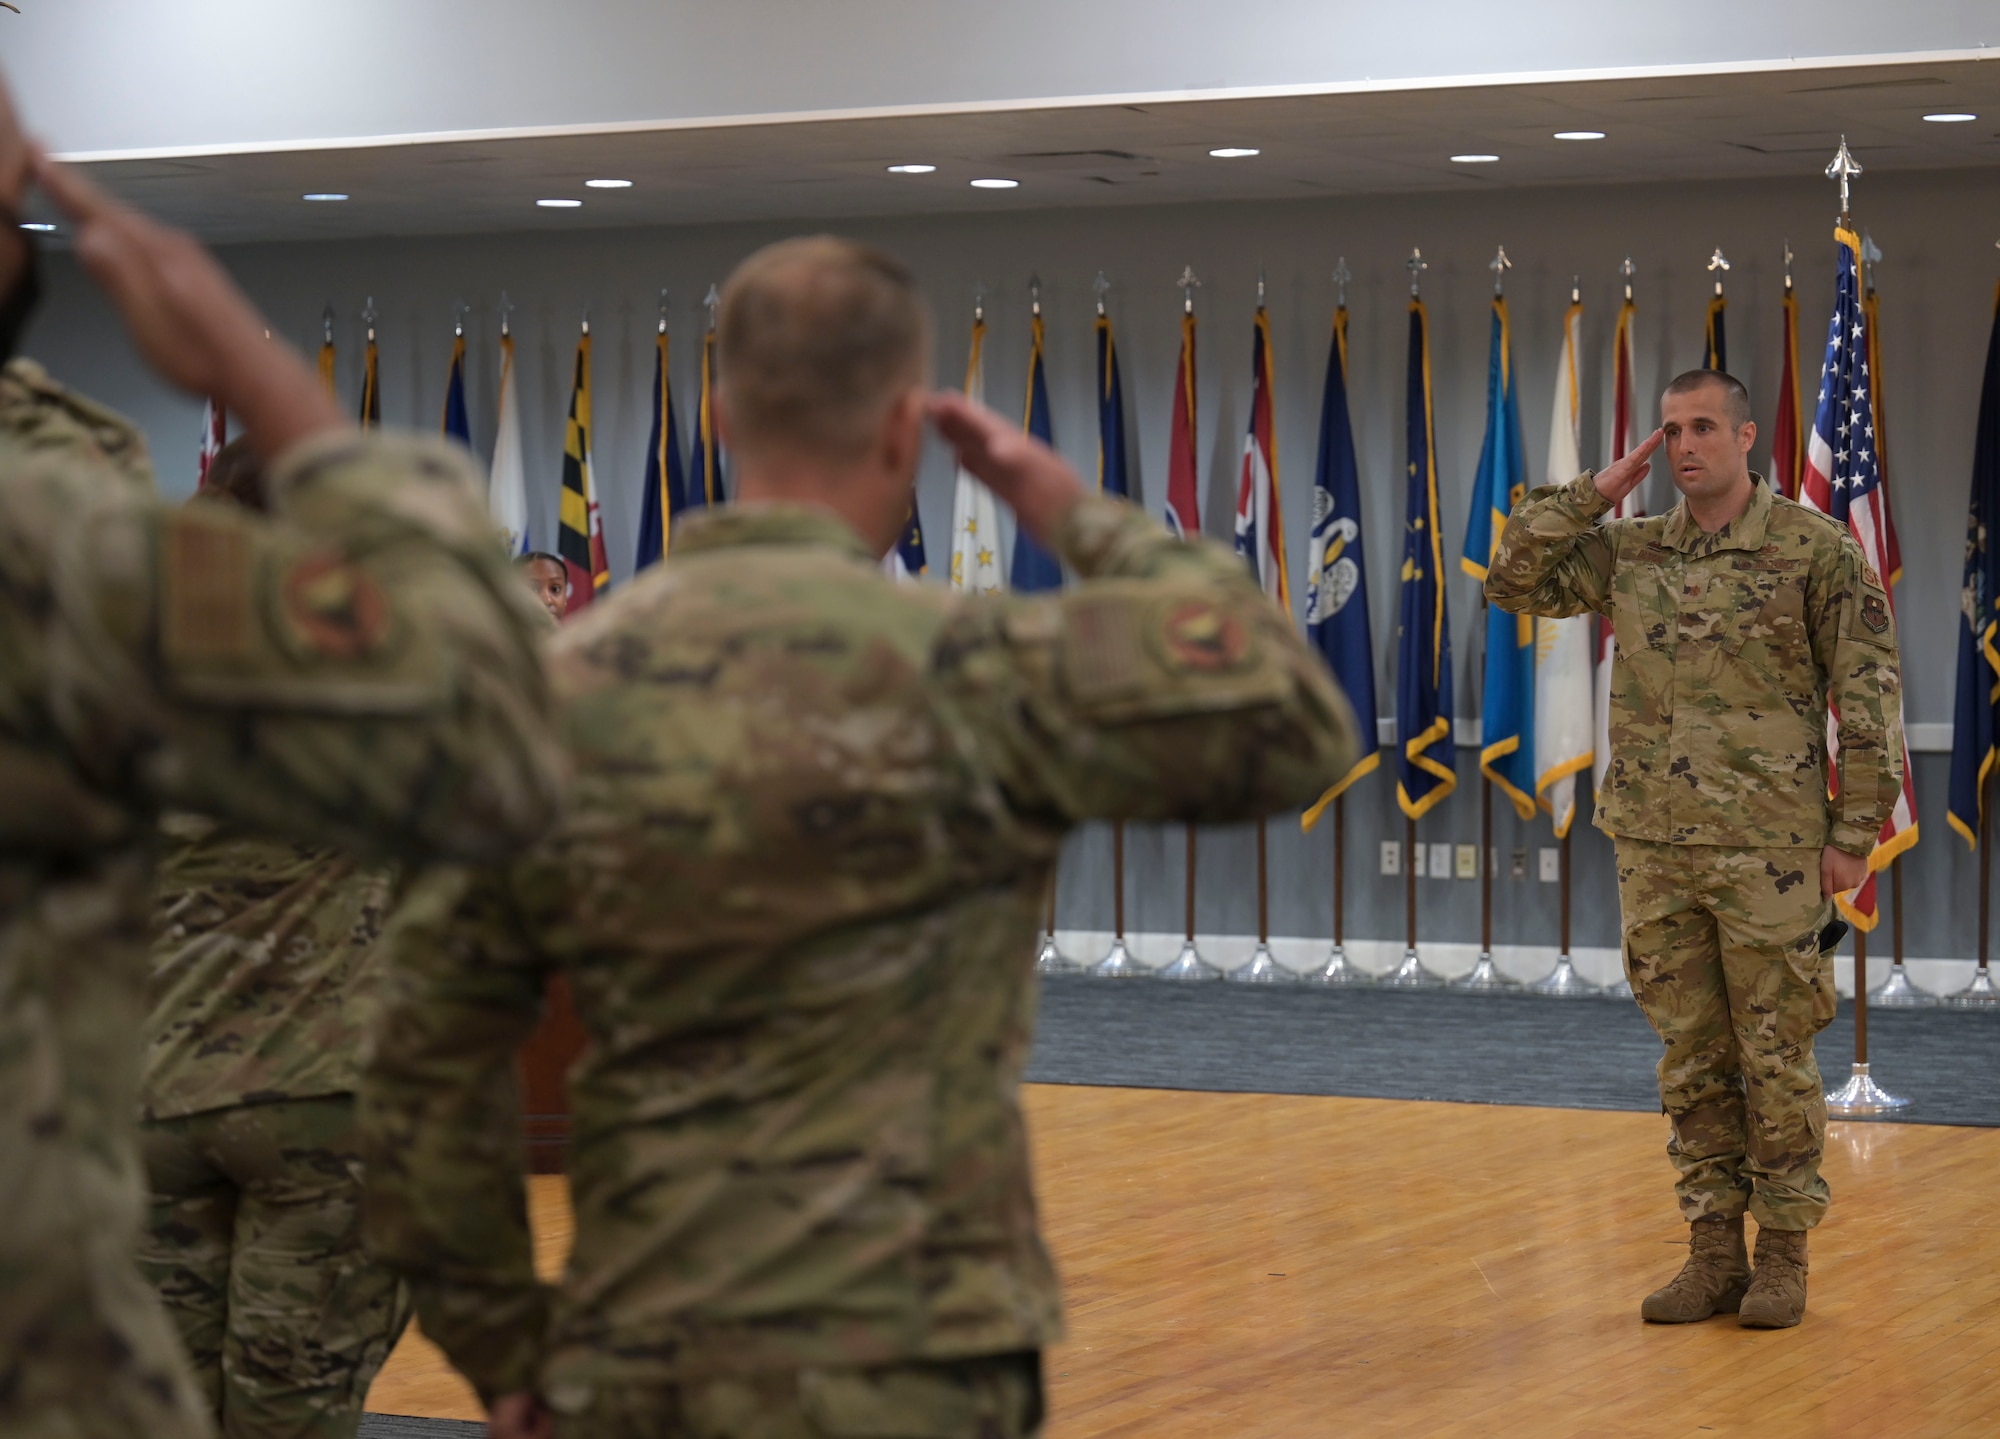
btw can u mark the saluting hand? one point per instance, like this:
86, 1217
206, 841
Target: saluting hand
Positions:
1032, 478
1619, 478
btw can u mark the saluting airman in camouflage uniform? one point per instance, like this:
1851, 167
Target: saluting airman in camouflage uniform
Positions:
1733, 637
797, 903
360, 669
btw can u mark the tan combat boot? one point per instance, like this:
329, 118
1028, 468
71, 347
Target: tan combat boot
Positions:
1777, 1297
1711, 1282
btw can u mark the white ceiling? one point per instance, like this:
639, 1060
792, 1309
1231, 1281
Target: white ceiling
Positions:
1774, 124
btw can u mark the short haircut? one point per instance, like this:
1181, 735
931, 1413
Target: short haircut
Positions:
817, 336
235, 473
1735, 398
533, 555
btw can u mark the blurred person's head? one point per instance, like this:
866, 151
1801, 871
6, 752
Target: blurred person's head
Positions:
824, 348
548, 576
236, 475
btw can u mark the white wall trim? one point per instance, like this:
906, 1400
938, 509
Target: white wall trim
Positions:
1366, 86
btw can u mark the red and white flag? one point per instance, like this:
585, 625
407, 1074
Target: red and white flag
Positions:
1843, 480
1260, 526
214, 435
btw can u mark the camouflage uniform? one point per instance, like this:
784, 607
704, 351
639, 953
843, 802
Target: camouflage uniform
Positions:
1730, 647
360, 670
816, 818
263, 990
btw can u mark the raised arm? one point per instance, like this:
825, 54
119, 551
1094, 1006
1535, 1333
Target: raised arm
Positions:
1553, 559
1164, 686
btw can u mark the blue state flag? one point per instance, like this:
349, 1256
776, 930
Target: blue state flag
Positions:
1975, 728
1507, 710
456, 426
1112, 478
1424, 761
1034, 568
665, 493
704, 486
1337, 595
907, 560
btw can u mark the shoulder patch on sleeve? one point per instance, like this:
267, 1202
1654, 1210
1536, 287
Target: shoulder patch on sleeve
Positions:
332, 607
1101, 657
207, 574
1874, 613
1194, 636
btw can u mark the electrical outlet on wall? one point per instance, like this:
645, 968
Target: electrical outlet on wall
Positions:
1441, 861
1466, 859
1418, 853
1392, 856
1519, 867
1551, 865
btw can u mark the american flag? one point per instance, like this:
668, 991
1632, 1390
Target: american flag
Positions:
1843, 479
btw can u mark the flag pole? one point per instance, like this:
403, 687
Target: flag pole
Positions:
1981, 993
1188, 964
1861, 1095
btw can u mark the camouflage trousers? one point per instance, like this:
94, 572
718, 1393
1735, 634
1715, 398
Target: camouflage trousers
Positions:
996, 1396
253, 1242
1722, 948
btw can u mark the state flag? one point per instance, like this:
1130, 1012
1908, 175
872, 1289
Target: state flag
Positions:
1507, 709
1035, 568
1112, 478
1788, 454
1183, 475
371, 383
1975, 721
1564, 738
1623, 439
704, 481
975, 518
1337, 589
663, 494
1715, 352
456, 425
1260, 522
1425, 771
581, 538
906, 559
507, 482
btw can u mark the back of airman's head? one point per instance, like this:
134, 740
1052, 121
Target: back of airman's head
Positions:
817, 338
235, 474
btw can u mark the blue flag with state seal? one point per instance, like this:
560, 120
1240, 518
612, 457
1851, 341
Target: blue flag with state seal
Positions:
1425, 771
1337, 595
1034, 568
1507, 709
1975, 727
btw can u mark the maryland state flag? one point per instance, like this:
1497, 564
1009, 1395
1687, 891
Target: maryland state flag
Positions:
1034, 568
1424, 765
1788, 453
581, 538
665, 491
456, 425
1260, 525
1337, 593
704, 486
1507, 710
1183, 482
1975, 727
1112, 477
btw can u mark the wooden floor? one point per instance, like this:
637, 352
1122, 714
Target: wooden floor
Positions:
1256, 1265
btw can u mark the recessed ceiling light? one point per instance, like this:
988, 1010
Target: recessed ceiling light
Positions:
559, 204
1579, 134
995, 184
324, 195
1950, 117
1473, 159
608, 184
40, 227
1234, 152
911, 169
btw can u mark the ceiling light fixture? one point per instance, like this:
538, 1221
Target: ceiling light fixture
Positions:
995, 184
607, 184
322, 195
40, 227
1234, 152
559, 204
1473, 159
911, 169
1950, 117
1579, 134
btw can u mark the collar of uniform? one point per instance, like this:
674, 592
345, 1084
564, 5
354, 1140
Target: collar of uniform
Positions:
1745, 532
728, 527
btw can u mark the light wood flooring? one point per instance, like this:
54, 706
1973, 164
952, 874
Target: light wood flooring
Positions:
1258, 1265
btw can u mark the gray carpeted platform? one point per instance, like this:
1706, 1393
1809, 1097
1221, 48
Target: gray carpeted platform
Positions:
398, 1426
1470, 1048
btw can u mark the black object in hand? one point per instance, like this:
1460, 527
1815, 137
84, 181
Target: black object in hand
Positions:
1832, 935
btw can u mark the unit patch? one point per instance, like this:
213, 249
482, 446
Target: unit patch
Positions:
1874, 613
334, 607
1198, 636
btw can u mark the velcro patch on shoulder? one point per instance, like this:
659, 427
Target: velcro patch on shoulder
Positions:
1196, 637
1874, 613
207, 579
1101, 650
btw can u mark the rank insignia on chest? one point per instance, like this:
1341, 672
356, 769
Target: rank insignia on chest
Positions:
1874, 613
